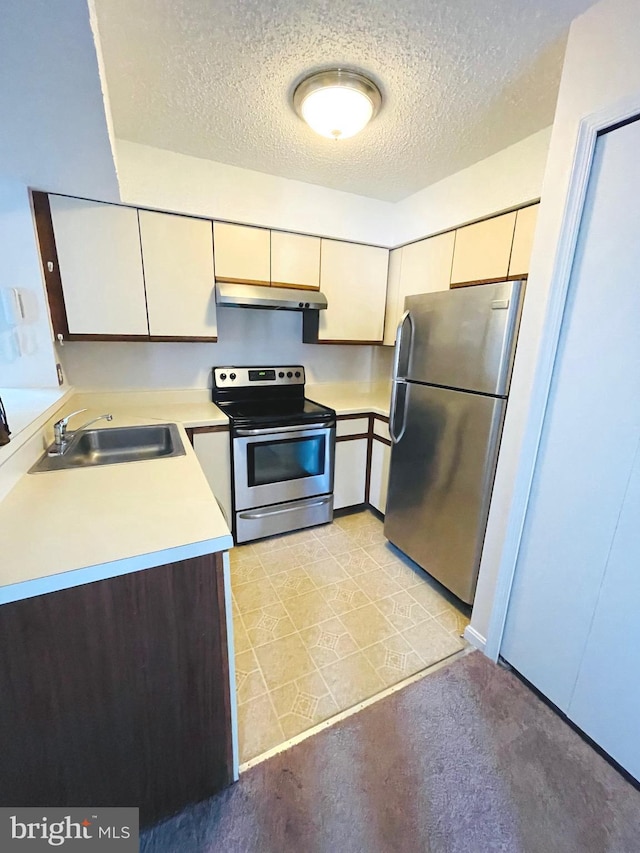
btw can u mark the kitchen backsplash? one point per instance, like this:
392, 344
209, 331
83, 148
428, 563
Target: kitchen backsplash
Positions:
244, 337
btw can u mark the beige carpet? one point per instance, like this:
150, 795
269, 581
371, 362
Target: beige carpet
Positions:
466, 760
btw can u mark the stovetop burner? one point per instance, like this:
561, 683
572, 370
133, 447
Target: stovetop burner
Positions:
265, 396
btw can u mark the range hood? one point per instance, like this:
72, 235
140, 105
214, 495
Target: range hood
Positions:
260, 296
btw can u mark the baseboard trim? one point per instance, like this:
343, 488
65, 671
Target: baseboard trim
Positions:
474, 638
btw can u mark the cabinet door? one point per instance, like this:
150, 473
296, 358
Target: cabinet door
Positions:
354, 280
351, 473
98, 249
523, 240
482, 250
177, 255
425, 267
392, 310
242, 253
135, 671
379, 476
295, 260
352, 426
214, 455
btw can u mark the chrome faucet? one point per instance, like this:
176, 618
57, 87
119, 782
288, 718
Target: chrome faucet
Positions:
62, 440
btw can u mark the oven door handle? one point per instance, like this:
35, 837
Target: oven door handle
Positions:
279, 510
275, 430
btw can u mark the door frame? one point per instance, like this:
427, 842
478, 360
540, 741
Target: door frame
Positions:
622, 111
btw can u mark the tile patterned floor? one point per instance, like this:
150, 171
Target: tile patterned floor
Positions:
325, 618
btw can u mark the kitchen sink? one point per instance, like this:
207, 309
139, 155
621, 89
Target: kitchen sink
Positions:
87, 448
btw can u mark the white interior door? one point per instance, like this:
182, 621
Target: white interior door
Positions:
606, 699
578, 556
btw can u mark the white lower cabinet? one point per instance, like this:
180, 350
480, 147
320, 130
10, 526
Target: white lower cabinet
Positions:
379, 477
214, 455
350, 482
350, 473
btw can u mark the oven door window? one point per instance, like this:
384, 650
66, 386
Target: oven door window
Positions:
291, 459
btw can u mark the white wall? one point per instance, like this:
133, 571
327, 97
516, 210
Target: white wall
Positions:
507, 179
55, 133
20, 268
163, 179
245, 336
602, 68
169, 181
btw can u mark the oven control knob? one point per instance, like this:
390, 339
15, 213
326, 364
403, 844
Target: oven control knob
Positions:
232, 376
306, 304
223, 376
289, 374
300, 304
281, 374
297, 374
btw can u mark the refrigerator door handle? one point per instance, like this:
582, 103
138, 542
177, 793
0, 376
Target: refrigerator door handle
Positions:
397, 380
396, 437
397, 350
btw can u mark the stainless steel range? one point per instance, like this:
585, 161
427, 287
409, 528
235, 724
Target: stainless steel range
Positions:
282, 450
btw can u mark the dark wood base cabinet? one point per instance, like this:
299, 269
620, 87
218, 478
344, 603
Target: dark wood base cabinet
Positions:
116, 693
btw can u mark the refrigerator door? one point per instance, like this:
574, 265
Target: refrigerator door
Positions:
442, 471
462, 338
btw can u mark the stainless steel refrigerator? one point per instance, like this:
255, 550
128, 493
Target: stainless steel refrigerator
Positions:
452, 369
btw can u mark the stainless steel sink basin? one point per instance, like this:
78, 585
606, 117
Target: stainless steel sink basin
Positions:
110, 446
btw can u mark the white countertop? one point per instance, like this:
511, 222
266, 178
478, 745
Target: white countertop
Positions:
66, 528
195, 409
350, 398
189, 408
25, 405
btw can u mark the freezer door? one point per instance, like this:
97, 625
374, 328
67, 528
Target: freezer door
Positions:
440, 481
462, 338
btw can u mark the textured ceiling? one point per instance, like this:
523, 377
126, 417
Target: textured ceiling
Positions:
461, 79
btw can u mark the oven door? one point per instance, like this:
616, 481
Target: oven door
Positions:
282, 464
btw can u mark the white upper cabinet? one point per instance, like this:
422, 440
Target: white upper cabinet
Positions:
482, 250
242, 253
393, 294
295, 260
177, 254
98, 248
353, 277
523, 240
421, 267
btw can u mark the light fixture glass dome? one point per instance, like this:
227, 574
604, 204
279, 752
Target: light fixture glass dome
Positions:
337, 104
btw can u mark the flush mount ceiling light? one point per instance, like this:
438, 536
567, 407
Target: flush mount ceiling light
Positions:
337, 103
